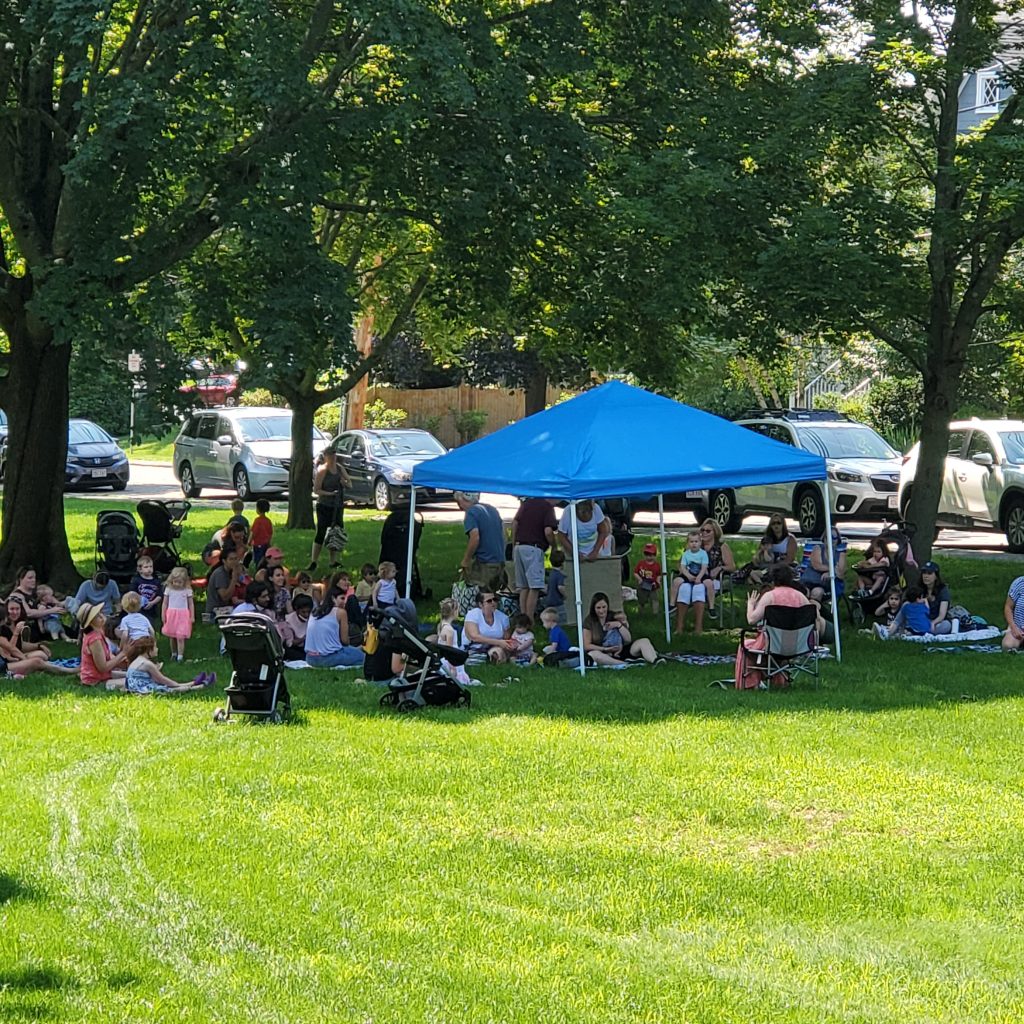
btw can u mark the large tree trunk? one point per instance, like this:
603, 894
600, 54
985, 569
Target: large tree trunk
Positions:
536, 391
300, 473
941, 389
36, 401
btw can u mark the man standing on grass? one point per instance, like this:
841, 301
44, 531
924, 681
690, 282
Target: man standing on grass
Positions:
1013, 611
533, 532
484, 560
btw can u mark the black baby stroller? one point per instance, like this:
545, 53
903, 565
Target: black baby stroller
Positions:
424, 680
902, 571
257, 686
161, 527
394, 547
117, 544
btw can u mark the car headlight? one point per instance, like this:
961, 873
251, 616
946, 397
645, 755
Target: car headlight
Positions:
400, 476
272, 463
846, 477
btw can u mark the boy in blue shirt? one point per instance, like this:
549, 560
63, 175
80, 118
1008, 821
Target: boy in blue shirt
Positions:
912, 617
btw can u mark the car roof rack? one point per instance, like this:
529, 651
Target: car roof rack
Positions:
802, 415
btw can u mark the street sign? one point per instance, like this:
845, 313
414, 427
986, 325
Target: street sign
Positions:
134, 362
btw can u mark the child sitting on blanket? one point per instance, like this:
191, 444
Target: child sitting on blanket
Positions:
912, 617
887, 611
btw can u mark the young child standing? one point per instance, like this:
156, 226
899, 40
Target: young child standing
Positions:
555, 597
648, 578
178, 612
262, 532
446, 633
148, 587
133, 625
385, 590
522, 634
238, 514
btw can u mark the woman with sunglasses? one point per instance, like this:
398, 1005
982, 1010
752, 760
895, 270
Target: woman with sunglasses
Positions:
777, 547
487, 629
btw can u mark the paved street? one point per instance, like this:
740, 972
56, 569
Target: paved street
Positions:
156, 480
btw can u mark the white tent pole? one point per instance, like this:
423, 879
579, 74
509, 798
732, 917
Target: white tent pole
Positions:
412, 533
576, 581
832, 571
664, 568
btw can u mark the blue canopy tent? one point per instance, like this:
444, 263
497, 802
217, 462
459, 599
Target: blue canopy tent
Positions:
618, 440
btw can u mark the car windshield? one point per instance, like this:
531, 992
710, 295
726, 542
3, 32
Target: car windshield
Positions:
412, 443
1013, 445
86, 433
271, 428
845, 442
266, 428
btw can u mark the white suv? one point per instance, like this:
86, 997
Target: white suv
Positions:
983, 479
863, 472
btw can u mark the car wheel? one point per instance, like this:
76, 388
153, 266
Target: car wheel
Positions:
1013, 524
382, 497
810, 513
241, 480
723, 511
119, 485
188, 482
231, 401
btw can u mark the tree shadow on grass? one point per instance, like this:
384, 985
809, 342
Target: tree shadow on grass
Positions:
643, 695
13, 889
33, 992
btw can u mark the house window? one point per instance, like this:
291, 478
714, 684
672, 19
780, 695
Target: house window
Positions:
988, 92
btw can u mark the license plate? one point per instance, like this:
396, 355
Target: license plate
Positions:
695, 494
99, 472
891, 500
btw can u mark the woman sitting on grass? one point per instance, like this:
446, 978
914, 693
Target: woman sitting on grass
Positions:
936, 593
327, 636
606, 636
99, 662
18, 654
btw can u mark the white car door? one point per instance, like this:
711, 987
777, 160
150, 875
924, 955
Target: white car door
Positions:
980, 485
951, 503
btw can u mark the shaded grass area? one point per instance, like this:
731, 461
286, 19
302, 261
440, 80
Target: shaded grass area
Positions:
637, 847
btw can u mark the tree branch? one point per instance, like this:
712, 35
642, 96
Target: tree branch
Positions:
366, 209
525, 12
905, 348
366, 364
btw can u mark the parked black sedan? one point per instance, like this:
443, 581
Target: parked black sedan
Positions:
380, 463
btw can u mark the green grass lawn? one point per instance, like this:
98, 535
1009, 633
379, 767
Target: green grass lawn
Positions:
153, 449
635, 847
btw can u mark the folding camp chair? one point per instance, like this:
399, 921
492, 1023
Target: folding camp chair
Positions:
790, 645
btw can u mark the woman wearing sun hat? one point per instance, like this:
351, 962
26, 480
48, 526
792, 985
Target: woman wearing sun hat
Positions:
99, 663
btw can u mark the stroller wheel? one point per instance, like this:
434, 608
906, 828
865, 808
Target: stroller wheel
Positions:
220, 715
406, 706
463, 701
275, 717
857, 614
389, 700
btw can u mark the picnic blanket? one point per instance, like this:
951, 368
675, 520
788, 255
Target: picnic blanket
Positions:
971, 636
965, 648
306, 664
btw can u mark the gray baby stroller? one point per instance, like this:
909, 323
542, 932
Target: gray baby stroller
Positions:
425, 680
257, 686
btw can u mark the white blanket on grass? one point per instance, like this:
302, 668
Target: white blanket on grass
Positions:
306, 664
970, 636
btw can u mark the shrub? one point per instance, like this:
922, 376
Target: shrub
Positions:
327, 418
469, 424
260, 396
377, 416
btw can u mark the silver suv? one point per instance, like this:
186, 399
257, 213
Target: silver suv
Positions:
247, 449
983, 478
863, 472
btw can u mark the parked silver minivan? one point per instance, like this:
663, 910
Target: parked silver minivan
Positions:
244, 449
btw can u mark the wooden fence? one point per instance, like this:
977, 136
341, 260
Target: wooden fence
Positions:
435, 409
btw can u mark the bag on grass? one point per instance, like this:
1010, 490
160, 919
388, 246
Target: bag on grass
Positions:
464, 595
371, 640
336, 539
